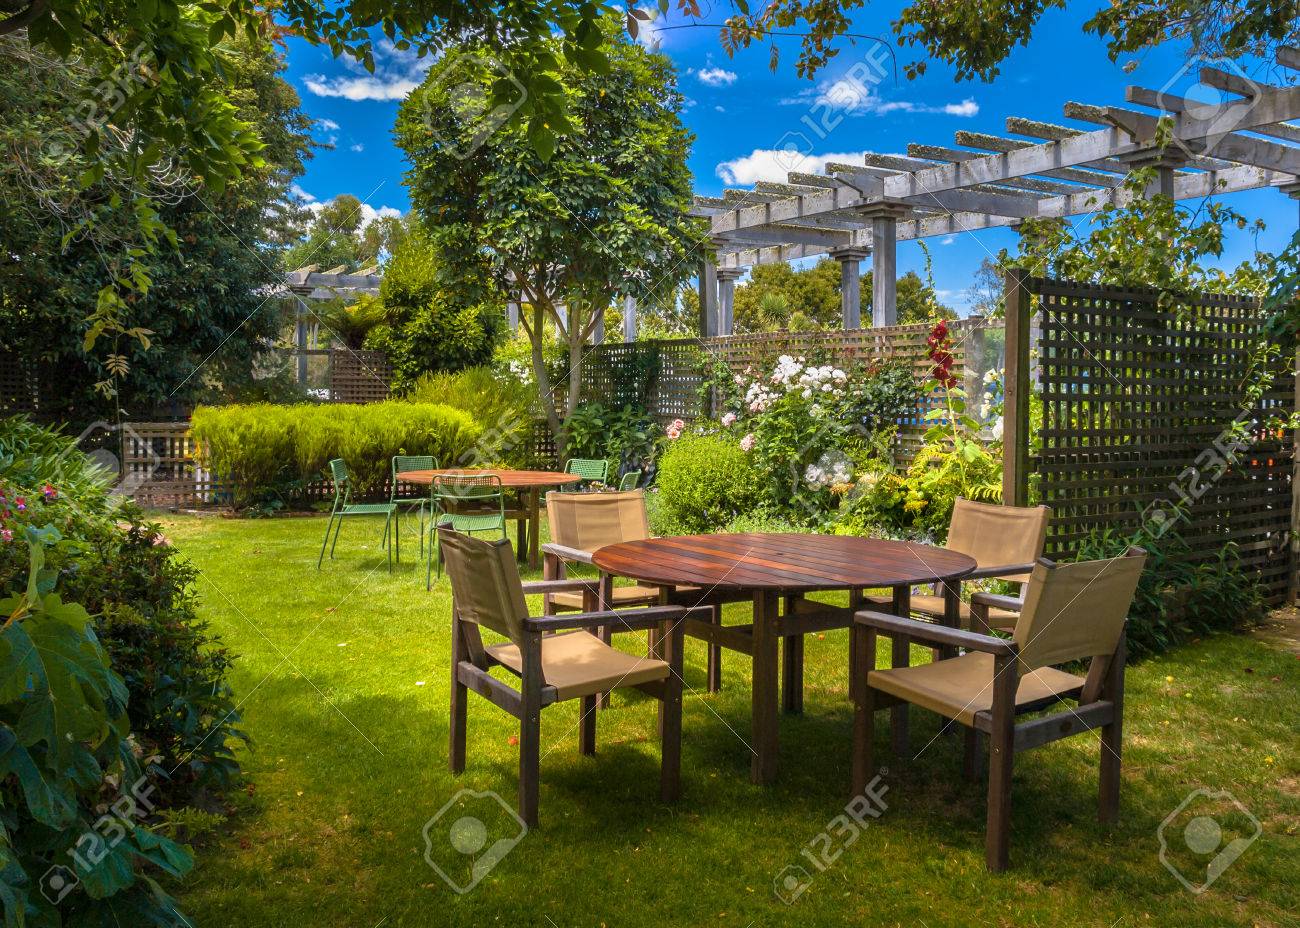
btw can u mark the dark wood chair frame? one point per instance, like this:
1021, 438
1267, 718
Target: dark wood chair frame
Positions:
471, 663
1100, 705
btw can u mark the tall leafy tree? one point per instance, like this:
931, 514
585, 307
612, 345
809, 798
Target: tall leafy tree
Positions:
779, 296
599, 213
207, 312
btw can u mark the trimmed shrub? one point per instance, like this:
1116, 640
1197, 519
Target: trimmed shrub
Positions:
503, 404
705, 481
274, 452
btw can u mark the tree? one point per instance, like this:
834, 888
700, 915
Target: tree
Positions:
602, 215
915, 300
976, 36
434, 318
985, 293
779, 297
206, 313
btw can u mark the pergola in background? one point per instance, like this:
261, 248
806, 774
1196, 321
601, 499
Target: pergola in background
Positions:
987, 181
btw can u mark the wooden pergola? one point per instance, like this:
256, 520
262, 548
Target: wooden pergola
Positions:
987, 181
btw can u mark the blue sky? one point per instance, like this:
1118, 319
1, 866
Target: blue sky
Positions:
743, 114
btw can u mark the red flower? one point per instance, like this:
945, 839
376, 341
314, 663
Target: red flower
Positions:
938, 344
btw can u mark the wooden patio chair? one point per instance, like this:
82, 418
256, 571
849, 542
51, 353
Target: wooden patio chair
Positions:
1005, 541
1072, 612
582, 523
551, 668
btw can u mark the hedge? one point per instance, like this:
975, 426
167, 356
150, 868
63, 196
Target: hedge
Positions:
266, 451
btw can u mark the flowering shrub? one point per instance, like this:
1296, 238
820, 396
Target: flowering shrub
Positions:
810, 427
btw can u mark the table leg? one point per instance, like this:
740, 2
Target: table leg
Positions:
900, 658
792, 666
534, 526
857, 672
951, 615
764, 696
521, 527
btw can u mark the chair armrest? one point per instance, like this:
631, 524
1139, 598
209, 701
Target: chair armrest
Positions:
624, 619
999, 570
997, 601
938, 634
564, 552
577, 585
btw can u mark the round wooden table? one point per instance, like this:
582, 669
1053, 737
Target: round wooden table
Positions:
528, 483
769, 568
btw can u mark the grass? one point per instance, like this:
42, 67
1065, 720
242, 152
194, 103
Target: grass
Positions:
343, 677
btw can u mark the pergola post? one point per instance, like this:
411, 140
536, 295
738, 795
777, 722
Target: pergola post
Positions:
884, 269
727, 277
629, 318
1016, 389
1293, 587
708, 298
598, 333
850, 284
512, 316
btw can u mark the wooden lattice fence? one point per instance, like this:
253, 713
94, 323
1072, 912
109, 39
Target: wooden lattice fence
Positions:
666, 377
1137, 399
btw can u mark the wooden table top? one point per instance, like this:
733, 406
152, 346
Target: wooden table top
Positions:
509, 478
783, 562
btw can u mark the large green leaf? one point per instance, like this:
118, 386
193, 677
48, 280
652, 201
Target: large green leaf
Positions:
49, 797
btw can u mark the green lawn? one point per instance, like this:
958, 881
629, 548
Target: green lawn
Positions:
343, 677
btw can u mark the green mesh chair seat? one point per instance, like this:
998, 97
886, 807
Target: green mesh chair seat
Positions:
629, 481
467, 503
343, 506
589, 469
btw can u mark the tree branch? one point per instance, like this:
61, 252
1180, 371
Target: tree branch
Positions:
23, 18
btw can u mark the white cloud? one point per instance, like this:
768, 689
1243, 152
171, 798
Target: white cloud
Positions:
773, 164
396, 74
719, 109
947, 240
328, 125
716, 77
358, 147
368, 213
858, 97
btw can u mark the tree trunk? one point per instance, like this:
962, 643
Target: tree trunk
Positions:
545, 390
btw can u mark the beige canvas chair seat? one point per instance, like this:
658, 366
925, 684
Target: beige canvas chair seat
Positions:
962, 687
623, 596
578, 664
931, 605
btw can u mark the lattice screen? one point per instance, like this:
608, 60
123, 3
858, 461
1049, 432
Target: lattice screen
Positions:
1135, 398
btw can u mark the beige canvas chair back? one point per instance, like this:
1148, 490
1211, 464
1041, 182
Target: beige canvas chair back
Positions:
1076, 611
588, 521
485, 585
994, 534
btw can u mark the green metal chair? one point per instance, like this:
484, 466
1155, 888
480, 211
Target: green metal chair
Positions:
589, 469
404, 463
342, 507
629, 481
465, 503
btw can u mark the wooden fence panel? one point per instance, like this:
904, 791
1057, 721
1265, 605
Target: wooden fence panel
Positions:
1136, 402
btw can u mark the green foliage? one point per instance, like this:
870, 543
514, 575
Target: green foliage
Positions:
348, 324
594, 430
705, 481
273, 452
67, 749
775, 293
580, 212
504, 405
1177, 597
435, 318
208, 291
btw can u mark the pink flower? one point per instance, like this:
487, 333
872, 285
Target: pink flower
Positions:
49, 492
673, 432
20, 504
678, 424
747, 443
7, 534
728, 420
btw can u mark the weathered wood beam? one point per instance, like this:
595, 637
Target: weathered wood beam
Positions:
1231, 146
1289, 57
942, 153
1172, 103
1035, 129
